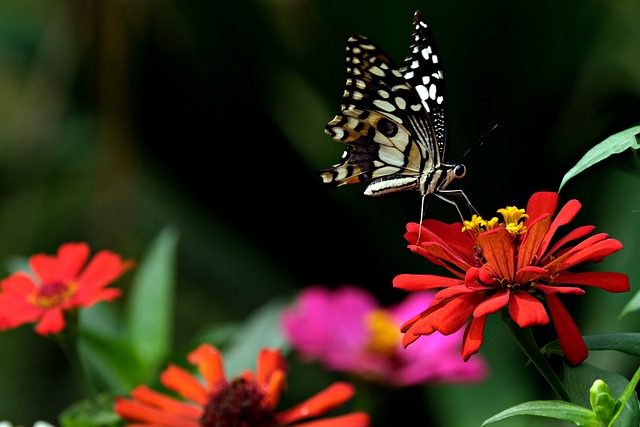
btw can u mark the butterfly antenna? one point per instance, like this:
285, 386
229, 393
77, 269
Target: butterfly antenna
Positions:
480, 140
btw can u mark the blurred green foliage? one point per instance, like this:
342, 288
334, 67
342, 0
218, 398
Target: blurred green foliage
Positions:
118, 118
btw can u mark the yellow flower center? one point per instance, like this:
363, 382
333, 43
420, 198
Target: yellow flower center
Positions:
384, 334
52, 294
480, 225
513, 221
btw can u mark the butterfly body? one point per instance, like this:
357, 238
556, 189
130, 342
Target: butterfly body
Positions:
393, 120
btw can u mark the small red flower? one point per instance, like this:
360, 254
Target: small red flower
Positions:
512, 264
248, 400
59, 283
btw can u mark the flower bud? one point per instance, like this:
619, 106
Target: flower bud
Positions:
602, 401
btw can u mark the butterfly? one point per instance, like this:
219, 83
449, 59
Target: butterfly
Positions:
394, 120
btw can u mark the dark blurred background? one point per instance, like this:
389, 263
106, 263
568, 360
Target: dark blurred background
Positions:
120, 117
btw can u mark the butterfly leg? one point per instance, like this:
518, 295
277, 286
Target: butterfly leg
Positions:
444, 195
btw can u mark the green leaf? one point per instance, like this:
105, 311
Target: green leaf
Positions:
625, 342
614, 144
112, 359
91, 413
151, 302
579, 379
261, 330
628, 342
631, 306
557, 409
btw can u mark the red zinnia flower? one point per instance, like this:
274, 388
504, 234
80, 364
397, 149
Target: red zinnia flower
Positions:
509, 264
248, 400
58, 283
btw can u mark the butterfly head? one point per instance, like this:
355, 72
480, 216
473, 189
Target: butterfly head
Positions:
440, 178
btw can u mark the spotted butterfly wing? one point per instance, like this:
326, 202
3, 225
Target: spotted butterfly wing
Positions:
393, 120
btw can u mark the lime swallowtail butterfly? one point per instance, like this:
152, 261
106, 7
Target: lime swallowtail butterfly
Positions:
394, 120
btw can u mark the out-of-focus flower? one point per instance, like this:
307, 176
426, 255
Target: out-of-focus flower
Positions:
347, 330
516, 264
36, 424
58, 283
248, 400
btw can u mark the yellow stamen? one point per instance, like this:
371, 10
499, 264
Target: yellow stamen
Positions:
384, 333
52, 294
476, 224
492, 223
479, 225
512, 219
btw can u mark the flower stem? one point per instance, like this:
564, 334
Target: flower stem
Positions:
67, 340
525, 340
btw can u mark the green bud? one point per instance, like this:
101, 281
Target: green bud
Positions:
602, 401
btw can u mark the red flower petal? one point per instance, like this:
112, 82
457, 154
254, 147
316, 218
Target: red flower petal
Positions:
15, 310
144, 394
608, 281
104, 267
541, 203
453, 315
210, 364
324, 401
455, 291
473, 336
526, 310
51, 322
529, 247
19, 285
550, 289
355, 419
269, 361
181, 381
61, 268
132, 410
420, 282
566, 214
443, 256
593, 253
530, 273
497, 249
573, 235
571, 342
273, 389
492, 304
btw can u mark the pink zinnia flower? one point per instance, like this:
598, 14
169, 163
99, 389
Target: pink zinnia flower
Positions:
347, 330
519, 264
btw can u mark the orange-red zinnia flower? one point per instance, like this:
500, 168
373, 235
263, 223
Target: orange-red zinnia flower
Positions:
58, 283
248, 400
518, 263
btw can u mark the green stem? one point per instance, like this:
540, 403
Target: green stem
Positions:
67, 340
525, 340
626, 394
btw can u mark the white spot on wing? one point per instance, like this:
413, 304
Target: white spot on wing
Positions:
377, 71
432, 91
384, 105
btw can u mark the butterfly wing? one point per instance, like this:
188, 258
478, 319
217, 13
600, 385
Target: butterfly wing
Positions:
422, 69
384, 120
377, 122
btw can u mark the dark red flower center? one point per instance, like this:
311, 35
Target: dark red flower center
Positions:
52, 294
237, 404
